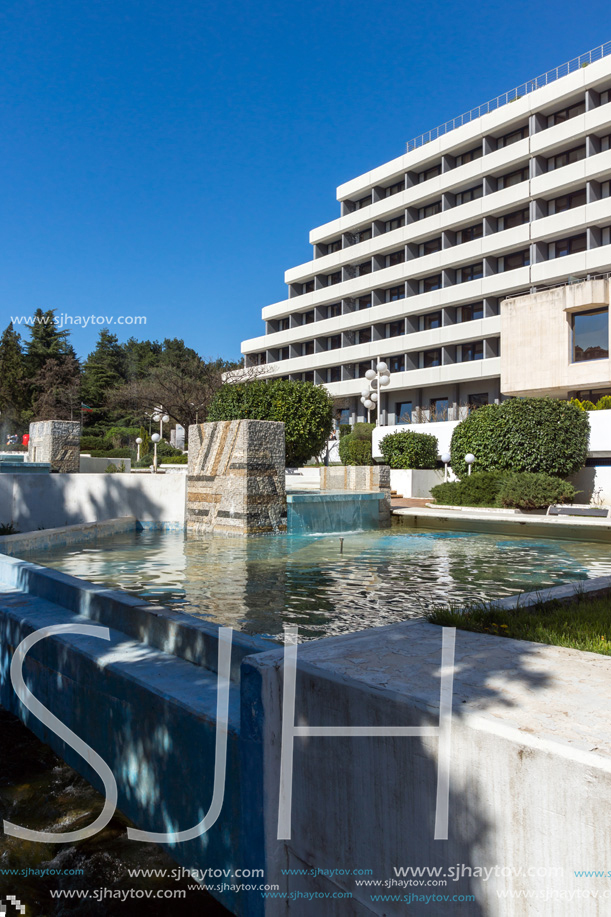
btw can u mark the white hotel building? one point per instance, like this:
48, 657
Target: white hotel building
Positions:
424, 264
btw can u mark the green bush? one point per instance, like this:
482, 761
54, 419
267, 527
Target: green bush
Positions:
604, 403
344, 429
523, 434
111, 468
111, 453
305, 409
407, 449
355, 451
478, 489
175, 459
588, 405
363, 431
534, 491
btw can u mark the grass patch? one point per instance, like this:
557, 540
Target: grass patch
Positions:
583, 623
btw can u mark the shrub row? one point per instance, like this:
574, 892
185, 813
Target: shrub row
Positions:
518, 490
603, 404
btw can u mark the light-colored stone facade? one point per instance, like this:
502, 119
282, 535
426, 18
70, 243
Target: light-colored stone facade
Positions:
236, 478
537, 354
57, 442
360, 478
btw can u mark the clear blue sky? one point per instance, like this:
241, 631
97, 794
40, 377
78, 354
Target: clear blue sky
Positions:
169, 159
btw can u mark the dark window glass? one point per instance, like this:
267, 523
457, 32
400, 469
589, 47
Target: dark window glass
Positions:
591, 335
433, 172
474, 351
396, 293
334, 310
513, 137
344, 415
395, 257
260, 358
363, 336
362, 202
364, 268
395, 223
430, 210
395, 329
566, 114
308, 287
438, 408
363, 235
478, 401
430, 283
334, 246
515, 178
308, 317
469, 194
334, 374
569, 201
334, 278
564, 159
472, 312
397, 364
571, 246
471, 155
308, 377
432, 320
432, 358
283, 324
308, 347
394, 189
517, 218
469, 233
364, 302
363, 367
403, 412
518, 259
334, 342
470, 272
429, 247
283, 353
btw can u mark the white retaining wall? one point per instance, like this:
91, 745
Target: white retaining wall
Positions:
415, 482
32, 501
91, 465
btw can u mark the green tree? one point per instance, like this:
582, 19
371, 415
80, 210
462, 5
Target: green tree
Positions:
103, 370
46, 341
53, 371
13, 393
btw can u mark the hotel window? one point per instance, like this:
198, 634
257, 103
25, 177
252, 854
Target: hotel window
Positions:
334, 310
431, 358
431, 321
470, 156
363, 336
470, 272
336, 277
433, 172
394, 189
512, 137
477, 401
469, 233
566, 114
516, 260
428, 284
308, 317
468, 195
334, 342
471, 312
564, 159
334, 246
363, 235
308, 286
473, 351
396, 293
395, 223
308, 348
259, 359
511, 220
362, 202
363, 268
308, 377
591, 335
513, 178
283, 324
364, 302
438, 408
395, 257
334, 374
395, 329
283, 353
363, 367
403, 412
567, 202
605, 97
571, 246
397, 364
429, 247
429, 211
344, 416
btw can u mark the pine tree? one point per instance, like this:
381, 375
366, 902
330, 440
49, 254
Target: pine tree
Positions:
13, 393
104, 369
46, 342
53, 370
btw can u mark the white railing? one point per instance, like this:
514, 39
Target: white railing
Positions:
550, 77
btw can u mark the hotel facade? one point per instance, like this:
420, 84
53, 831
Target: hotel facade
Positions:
476, 265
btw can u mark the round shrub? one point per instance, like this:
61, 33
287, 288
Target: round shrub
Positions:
344, 429
355, 451
534, 491
477, 489
407, 449
604, 403
588, 405
305, 410
523, 434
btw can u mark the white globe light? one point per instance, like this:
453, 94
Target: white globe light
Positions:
369, 405
166, 418
469, 458
138, 441
370, 374
156, 417
363, 400
384, 380
374, 383
365, 393
374, 396
446, 457
382, 368
155, 437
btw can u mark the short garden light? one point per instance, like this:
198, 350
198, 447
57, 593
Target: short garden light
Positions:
446, 458
138, 443
155, 439
469, 459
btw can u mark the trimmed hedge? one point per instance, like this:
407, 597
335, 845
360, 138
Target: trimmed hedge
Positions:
176, 460
523, 434
518, 490
306, 410
407, 449
355, 447
603, 404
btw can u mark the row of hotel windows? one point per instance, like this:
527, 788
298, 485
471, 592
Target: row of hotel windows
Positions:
450, 200
487, 145
438, 407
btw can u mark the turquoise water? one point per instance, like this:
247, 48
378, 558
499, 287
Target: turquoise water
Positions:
258, 584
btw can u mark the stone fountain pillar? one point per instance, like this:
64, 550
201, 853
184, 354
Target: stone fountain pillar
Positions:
56, 442
235, 482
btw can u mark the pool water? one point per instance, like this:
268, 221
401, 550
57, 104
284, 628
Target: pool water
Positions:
257, 585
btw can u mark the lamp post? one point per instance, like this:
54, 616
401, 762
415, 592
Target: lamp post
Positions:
446, 459
155, 439
138, 444
375, 380
160, 417
469, 459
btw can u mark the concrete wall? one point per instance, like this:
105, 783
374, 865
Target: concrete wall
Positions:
92, 465
32, 501
415, 482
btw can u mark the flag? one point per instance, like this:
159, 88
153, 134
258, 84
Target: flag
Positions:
85, 408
